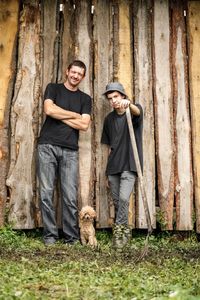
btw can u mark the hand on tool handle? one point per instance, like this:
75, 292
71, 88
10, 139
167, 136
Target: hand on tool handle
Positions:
125, 103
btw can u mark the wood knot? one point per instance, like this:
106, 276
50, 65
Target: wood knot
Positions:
4, 15
1, 47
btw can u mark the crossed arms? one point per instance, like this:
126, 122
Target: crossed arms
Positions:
73, 119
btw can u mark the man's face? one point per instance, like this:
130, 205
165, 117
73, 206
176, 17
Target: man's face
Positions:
75, 75
115, 98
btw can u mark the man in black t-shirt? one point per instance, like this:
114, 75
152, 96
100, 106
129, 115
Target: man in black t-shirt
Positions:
67, 111
121, 168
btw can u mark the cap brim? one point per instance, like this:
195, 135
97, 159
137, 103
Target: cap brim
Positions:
113, 90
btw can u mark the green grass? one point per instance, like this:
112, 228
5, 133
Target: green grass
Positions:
169, 270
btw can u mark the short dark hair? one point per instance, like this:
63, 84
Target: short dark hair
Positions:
110, 92
77, 63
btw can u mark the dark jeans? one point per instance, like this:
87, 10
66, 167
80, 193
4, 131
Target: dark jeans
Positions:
56, 161
121, 186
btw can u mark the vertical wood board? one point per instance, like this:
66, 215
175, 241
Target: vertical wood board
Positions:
49, 42
183, 167
194, 75
144, 95
67, 39
20, 179
163, 111
124, 70
8, 33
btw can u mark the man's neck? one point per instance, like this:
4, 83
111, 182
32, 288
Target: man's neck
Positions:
70, 87
120, 111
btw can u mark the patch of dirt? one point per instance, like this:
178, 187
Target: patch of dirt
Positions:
61, 254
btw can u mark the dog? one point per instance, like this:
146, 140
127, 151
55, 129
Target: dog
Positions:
87, 230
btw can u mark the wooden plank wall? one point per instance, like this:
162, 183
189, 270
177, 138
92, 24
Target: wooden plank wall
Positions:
8, 38
194, 81
163, 97
24, 120
152, 48
143, 94
182, 126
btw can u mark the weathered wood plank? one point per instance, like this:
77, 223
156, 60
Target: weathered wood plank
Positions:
123, 61
143, 95
50, 52
8, 32
67, 32
163, 111
84, 52
103, 73
194, 76
25, 102
183, 165
49, 42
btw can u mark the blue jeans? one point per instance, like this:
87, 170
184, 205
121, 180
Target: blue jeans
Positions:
121, 186
53, 162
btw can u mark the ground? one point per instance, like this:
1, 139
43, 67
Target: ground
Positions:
166, 266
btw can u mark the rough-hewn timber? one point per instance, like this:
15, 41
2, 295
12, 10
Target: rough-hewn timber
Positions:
163, 112
144, 95
194, 71
25, 101
183, 166
8, 37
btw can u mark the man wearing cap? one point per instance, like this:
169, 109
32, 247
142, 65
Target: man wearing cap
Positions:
121, 168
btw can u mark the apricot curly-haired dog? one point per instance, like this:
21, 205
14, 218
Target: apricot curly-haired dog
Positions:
87, 231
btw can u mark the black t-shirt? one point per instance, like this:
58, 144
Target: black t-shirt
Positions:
54, 131
116, 135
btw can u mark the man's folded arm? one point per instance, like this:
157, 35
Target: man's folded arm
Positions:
57, 112
80, 124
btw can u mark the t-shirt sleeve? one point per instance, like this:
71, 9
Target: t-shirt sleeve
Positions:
105, 136
87, 105
50, 92
138, 119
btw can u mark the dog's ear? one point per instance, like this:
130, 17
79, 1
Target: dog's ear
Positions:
81, 214
93, 214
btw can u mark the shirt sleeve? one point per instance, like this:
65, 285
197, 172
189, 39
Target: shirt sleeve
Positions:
105, 134
50, 92
138, 119
87, 105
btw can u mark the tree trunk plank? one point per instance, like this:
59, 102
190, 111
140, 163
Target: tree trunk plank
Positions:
50, 18
103, 73
25, 101
83, 51
9, 14
163, 112
67, 32
194, 75
183, 165
123, 61
144, 96
49, 42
